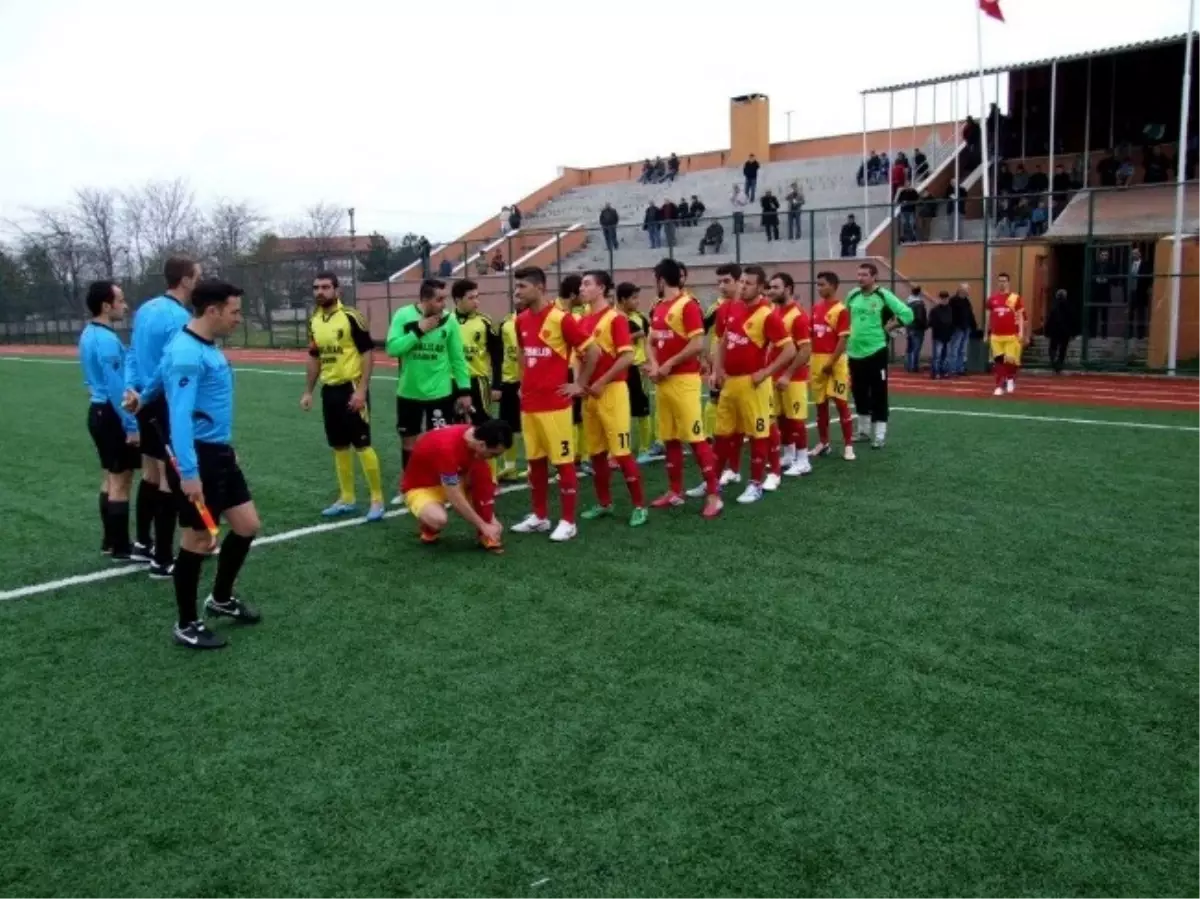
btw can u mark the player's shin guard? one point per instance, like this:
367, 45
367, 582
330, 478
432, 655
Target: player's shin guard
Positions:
368, 460
568, 491
674, 452
234, 549
707, 460
774, 444
144, 511
164, 529
845, 421
117, 530
187, 585
760, 448
539, 486
633, 480
602, 478
343, 463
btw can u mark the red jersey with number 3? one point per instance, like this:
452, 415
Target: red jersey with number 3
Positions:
750, 330
546, 339
1003, 309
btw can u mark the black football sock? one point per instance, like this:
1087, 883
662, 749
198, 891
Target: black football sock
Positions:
104, 519
118, 526
233, 553
164, 528
187, 583
145, 509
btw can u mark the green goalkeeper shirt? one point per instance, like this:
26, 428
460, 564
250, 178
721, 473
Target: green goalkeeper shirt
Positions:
432, 365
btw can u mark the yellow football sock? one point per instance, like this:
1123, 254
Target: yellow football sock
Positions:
344, 463
645, 433
369, 460
510, 454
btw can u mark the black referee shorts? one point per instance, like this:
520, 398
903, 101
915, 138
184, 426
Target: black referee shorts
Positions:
154, 427
104, 426
415, 417
510, 406
344, 428
481, 400
221, 479
639, 400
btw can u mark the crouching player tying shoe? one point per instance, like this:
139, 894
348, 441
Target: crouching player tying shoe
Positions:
199, 386
451, 465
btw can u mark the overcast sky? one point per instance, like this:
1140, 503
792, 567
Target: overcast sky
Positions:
430, 116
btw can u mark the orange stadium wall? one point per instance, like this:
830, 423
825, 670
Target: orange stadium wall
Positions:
1188, 346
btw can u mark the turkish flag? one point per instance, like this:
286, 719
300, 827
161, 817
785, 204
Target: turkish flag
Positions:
992, 8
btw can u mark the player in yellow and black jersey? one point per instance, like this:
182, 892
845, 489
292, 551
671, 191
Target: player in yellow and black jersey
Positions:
339, 354
481, 346
628, 295
510, 395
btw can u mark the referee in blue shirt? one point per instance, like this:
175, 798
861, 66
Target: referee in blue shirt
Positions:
198, 382
113, 430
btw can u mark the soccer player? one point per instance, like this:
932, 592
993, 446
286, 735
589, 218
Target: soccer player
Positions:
112, 428
340, 355
451, 465
1006, 334
868, 350
791, 386
728, 296
481, 346
155, 323
199, 386
639, 401
606, 411
830, 372
434, 384
510, 395
673, 363
744, 374
568, 301
548, 336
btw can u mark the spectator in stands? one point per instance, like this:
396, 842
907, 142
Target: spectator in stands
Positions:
915, 331
714, 236
697, 210
1020, 181
861, 175
971, 135
750, 173
770, 215
1004, 179
685, 213
1125, 172
514, 217
920, 164
1039, 183
481, 262
652, 225
941, 333
873, 168
906, 203
658, 171
672, 167
647, 172
608, 224
795, 204
498, 264
669, 213
1138, 292
926, 213
1106, 171
1154, 166
897, 176
849, 237
1019, 214
738, 201
504, 226
1039, 218
956, 197
964, 326
445, 268
1061, 186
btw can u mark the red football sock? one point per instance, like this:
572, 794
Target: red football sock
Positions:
674, 451
1012, 370
846, 422
539, 486
735, 455
483, 491
602, 479
774, 440
998, 370
800, 433
823, 422
568, 490
633, 478
724, 448
760, 448
707, 461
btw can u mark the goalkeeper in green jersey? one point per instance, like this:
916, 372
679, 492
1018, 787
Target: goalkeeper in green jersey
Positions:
434, 388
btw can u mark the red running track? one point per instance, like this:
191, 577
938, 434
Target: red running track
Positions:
1179, 394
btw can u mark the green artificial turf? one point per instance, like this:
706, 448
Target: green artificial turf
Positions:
964, 665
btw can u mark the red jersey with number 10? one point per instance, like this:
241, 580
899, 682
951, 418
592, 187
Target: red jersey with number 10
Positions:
830, 323
1003, 309
673, 325
750, 329
546, 339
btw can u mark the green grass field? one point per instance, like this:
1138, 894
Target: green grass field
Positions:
964, 665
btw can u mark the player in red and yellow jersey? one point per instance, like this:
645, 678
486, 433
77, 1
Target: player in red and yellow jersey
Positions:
547, 336
1006, 334
607, 422
830, 370
673, 364
744, 375
791, 386
728, 296
451, 465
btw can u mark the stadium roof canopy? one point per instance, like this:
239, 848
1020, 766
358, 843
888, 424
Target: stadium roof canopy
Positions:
1032, 64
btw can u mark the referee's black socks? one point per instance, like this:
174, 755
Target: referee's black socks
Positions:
117, 530
145, 510
187, 584
164, 528
104, 519
234, 549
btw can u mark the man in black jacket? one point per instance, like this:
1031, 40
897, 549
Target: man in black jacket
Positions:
941, 331
964, 326
608, 223
750, 172
1058, 330
850, 236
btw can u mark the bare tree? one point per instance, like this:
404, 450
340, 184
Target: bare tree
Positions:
163, 218
323, 223
232, 230
57, 236
98, 222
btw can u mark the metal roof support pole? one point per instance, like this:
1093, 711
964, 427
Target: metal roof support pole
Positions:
1053, 105
1087, 128
916, 112
954, 100
937, 137
983, 151
866, 175
1180, 172
996, 139
891, 126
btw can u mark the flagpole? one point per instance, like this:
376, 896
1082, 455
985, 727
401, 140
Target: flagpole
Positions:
983, 147
1180, 173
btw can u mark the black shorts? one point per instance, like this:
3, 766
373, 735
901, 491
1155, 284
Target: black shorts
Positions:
510, 406
344, 428
639, 401
481, 400
415, 417
116, 456
222, 480
154, 426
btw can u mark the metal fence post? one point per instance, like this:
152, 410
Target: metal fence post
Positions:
737, 239
558, 254
812, 257
1085, 293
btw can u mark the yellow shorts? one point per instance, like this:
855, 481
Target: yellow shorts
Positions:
792, 402
743, 408
606, 421
832, 386
1008, 347
418, 499
549, 435
680, 410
